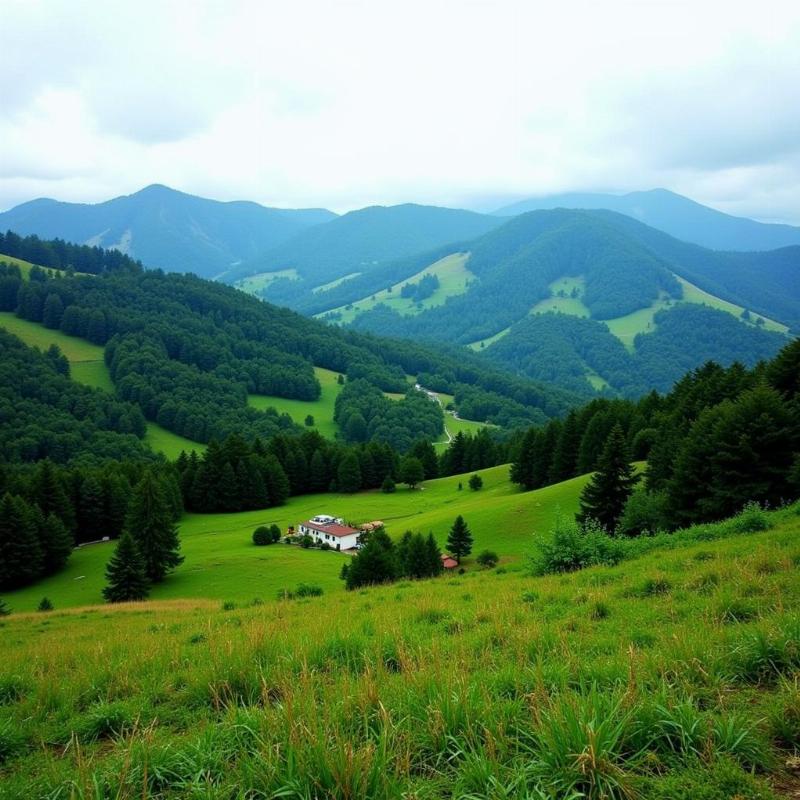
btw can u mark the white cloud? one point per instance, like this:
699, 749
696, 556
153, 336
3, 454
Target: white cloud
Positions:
445, 101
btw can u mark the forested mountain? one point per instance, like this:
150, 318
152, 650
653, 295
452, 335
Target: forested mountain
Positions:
187, 353
676, 215
359, 242
165, 228
624, 291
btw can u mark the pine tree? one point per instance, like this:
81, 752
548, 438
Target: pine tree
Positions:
277, 483
424, 451
125, 573
55, 541
92, 521
375, 562
603, 498
459, 541
522, 466
348, 473
566, 452
21, 556
49, 494
53, 311
433, 557
318, 478
151, 525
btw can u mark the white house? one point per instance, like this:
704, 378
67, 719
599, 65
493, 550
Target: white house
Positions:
324, 528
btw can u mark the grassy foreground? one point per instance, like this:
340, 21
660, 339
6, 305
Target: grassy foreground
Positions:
223, 564
669, 677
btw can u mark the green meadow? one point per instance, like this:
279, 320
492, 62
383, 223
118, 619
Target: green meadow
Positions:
454, 278
334, 283
321, 409
256, 284
670, 676
222, 563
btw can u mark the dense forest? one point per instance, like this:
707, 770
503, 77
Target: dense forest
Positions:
58, 254
719, 438
187, 352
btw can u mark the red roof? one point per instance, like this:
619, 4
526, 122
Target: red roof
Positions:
448, 562
332, 528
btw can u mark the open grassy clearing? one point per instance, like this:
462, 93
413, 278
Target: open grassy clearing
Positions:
667, 677
222, 563
454, 277
255, 284
333, 284
561, 300
24, 266
321, 409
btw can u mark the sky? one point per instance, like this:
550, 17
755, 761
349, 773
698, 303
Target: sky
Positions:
470, 103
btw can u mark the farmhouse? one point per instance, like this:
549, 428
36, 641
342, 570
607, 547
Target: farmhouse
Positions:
324, 528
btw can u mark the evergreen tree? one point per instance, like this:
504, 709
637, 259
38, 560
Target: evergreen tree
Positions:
566, 451
125, 573
55, 540
459, 541
433, 557
277, 483
318, 476
151, 525
21, 556
53, 311
603, 499
522, 466
49, 494
375, 562
475, 482
91, 510
424, 451
388, 485
348, 473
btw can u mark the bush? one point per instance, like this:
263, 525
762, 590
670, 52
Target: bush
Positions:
751, 519
475, 482
262, 536
302, 590
645, 512
487, 558
388, 486
306, 542
44, 605
4, 609
572, 547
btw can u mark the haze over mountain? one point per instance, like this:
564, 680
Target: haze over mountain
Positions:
165, 228
674, 214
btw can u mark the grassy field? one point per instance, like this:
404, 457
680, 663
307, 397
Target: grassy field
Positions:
453, 274
671, 676
222, 563
321, 409
255, 284
24, 266
87, 367
333, 284
560, 299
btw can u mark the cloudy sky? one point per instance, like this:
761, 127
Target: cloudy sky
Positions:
342, 103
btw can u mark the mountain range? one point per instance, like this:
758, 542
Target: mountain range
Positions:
165, 228
674, 214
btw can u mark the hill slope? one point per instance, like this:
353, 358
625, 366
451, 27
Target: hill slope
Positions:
670, 676
626, 279
165, 228
676, 215
360, 241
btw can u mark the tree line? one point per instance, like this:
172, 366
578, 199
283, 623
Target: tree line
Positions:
720, 438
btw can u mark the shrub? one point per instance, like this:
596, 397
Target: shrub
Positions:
751, 519
306, 542
572, 547
388, 486
487, 558
475, 482
262, 536
308, 590
44, 605
645, 512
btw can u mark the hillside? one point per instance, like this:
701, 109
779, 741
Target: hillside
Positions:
165, 228
676, 215
621, 295
360, 241
661, 678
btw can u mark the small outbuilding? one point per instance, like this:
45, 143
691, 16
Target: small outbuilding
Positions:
448, 562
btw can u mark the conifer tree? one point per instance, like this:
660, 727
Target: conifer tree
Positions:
459, 541
433, 556
375, 562
55, 540
151, 525
424, 451
348, 473
603, 498
125, 573
49, 494
91, 510
411, 471
21, 554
